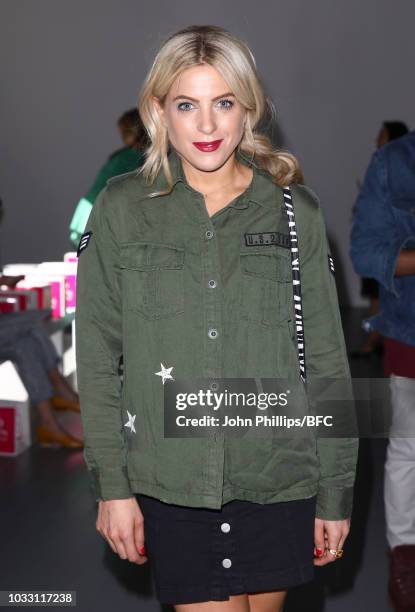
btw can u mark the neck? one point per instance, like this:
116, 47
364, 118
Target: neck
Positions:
226, 177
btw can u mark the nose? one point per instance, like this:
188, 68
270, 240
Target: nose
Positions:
206, 121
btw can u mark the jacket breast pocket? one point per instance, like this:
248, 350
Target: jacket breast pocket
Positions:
153, 279
266, 286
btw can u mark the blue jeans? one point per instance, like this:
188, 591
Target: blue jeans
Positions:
25, 342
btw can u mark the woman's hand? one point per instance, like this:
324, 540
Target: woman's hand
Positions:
329, 534
121, 523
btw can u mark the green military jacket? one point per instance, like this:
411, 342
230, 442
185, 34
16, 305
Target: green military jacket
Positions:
166, 287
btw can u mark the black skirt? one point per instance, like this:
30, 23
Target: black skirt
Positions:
203, 554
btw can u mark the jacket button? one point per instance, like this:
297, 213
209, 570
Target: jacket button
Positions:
226, 562
209, 234
212, 283
212, 333
225, 527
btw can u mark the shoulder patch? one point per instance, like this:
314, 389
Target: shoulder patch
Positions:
331, 263
83, 243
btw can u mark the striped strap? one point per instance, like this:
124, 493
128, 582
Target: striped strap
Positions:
295, 266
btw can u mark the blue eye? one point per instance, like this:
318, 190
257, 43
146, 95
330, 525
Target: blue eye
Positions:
229, 104
179, 107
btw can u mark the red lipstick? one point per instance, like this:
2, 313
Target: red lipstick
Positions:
208, 146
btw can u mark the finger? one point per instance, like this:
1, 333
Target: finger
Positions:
119, 546
111, 543
132, 552
139, 542
334, 534
139, 537
318, 539
109, 539
122, 553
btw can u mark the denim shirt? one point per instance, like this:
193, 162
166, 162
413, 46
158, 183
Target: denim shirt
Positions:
384, 223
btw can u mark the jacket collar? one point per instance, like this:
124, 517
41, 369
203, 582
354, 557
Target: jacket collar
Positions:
259, 187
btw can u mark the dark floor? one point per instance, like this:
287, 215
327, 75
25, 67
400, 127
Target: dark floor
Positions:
48, 537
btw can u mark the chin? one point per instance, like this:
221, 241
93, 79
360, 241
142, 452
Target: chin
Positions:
209, 165
209, 161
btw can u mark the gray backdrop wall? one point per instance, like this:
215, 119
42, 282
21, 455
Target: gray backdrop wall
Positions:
334, 68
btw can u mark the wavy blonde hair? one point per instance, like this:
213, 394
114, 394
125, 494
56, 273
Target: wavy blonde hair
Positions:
232, 58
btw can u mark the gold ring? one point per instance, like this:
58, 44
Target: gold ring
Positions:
338, 553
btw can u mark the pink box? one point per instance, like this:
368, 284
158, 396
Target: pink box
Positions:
11, 431
59, 275
43, 292
44, 296
8, 430
62, 277
58, 296
10, 304
70, 257
70, 293
27, 298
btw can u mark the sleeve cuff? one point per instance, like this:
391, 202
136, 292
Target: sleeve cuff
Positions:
390, 267
334, 504
111, 483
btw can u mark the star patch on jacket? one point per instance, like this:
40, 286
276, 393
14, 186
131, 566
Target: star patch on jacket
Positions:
331, 263
83, 243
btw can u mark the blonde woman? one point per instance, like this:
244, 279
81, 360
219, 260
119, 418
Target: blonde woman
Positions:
185, 271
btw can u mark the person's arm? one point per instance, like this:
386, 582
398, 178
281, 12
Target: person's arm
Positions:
376, 243
405, 264
98, 351
325, 356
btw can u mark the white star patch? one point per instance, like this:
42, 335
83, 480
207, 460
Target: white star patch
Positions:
130, 422
165, 373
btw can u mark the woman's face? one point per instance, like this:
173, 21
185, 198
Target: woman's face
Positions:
200, 108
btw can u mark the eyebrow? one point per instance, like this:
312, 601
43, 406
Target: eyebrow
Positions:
228, 93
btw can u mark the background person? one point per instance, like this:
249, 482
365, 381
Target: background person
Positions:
383, 247
126, 159
390, 130
25, 342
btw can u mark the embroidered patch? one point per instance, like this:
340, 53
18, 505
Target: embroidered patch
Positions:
264, 238
331, 263
83, 243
